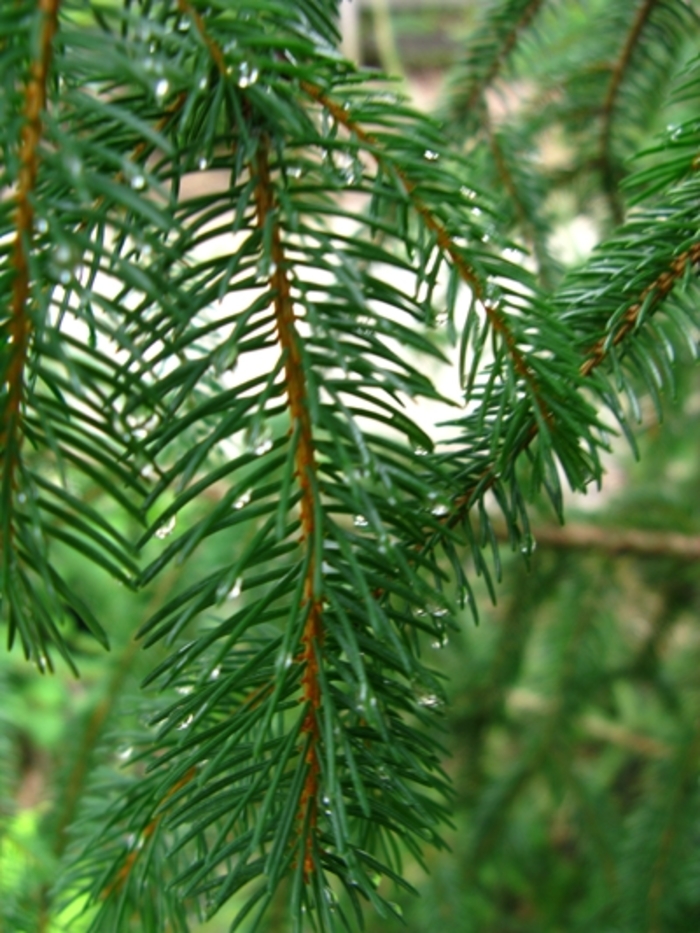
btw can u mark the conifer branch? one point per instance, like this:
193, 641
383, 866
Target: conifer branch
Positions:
148, 829
305, 460
20, 324
215, 50
649, 298
506, 176
518, 21
610, 181
444, 240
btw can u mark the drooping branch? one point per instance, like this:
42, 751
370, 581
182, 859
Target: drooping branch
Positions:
619, 71
305, 462
444, 241
652, 295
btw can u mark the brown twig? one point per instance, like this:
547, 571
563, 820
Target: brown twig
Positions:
637, 541
618, 73
312, 637
20, 324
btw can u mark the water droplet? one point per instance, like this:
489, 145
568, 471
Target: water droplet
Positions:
63, 254
259, 439
262, 447
247, 74
420, 451
186, 722
440, 510
21, 498
42, 225
360, 521
64, 277
528, 546
203, 83
184, 691
161, 89
235, 590
431, 155
216, 673
166, 528
294, 171
429, 701
243, 500
203, 163
138, 182
125, 753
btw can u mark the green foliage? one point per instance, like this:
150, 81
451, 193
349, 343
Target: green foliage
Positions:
229, 263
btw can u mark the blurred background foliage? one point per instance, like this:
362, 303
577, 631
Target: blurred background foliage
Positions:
572, 734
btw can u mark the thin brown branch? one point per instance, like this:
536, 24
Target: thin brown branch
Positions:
526, 225
186, 8
619, 71
658, 290
509, 41
305, 461
20, 325
444, 241
519, 701
613, 541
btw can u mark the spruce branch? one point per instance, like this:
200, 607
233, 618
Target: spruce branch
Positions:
610, 103
307, 473
20, 319
487, 54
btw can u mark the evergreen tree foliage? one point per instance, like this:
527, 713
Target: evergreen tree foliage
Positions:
231, 264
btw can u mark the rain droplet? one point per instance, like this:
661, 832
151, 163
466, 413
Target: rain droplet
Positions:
42, 225
235, 590
429, 701
203, 163
259, 439
243, 500
420, 451
440, 510
431, 155
187, 722
166, 528
162, 87
247, 74
21, 498
184, 691
360, 521
138, 182
63, 254
125, 753
215, 674
203, 83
